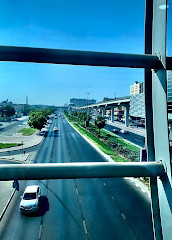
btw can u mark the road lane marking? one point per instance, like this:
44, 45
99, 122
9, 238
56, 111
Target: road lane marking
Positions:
123, 216
85, 227
40, 232
112, 198
76, 191
104, 184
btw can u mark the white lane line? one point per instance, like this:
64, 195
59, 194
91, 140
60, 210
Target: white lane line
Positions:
40, 232
46, 191
123, 216
76, 191
112, 198
104, 184
85, 227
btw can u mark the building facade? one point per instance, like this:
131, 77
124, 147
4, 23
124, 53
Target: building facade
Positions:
136, 88
137, 105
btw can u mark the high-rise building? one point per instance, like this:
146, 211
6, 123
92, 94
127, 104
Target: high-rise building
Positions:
136, 88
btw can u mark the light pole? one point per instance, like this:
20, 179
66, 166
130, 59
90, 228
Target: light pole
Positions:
87, 122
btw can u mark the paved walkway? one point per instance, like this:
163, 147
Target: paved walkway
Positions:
18, 158
5, 124
25, 141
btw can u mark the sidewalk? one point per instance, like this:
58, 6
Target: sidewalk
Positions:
140, 131
8, 123
25, 141
17, 158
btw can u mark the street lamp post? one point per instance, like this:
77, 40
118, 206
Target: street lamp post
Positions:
87, 121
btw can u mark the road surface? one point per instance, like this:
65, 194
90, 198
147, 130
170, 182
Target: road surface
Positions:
78, 209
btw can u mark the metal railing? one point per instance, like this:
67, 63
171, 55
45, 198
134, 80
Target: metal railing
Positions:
79, 170
155, 63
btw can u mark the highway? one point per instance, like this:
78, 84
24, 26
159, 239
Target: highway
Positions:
78, 209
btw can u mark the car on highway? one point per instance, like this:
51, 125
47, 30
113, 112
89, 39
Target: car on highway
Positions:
55, 117
124, 131
55, 129
31, 199
115, 130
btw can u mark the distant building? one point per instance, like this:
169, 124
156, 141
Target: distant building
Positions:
79, 102
137, 100
136, 88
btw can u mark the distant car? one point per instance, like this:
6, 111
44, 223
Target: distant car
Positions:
115, 130
55, 117
31, 199
55, 129
124, 131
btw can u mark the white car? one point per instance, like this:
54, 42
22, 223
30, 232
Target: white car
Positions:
124, 131
55, 129
30, 199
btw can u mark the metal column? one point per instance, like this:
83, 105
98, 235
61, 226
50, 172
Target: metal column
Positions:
112, 114
160, 121
103, 112
149, 138
126, 115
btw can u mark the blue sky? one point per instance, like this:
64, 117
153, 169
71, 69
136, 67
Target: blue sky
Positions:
110, 26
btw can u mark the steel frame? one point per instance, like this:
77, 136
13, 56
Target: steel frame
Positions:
155, 63
79, 170
87, 58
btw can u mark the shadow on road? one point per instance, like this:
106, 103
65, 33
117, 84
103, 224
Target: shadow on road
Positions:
43, 208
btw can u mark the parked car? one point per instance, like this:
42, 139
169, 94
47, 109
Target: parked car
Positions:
55, 129
115, 130
30, 199
124, 131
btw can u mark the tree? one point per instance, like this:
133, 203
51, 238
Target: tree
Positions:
37, 120
100, 122
9, 111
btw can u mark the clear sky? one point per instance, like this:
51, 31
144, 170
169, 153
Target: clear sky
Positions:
95, 25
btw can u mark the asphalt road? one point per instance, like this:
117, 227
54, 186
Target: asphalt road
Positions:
78, 209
